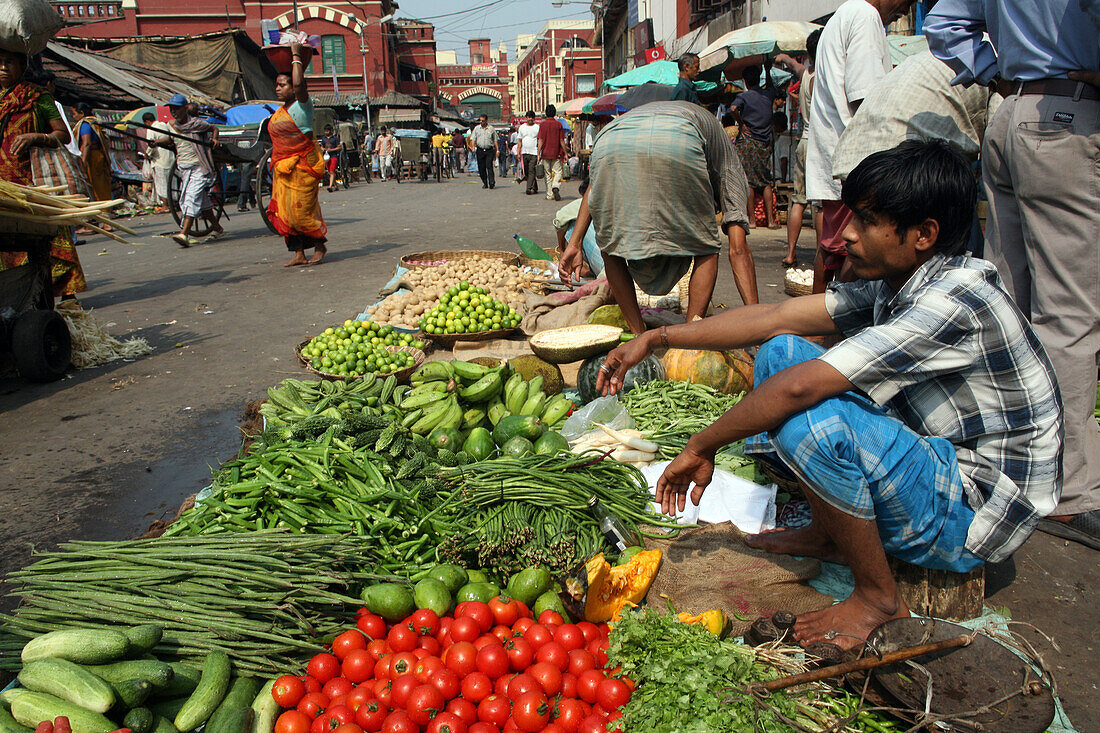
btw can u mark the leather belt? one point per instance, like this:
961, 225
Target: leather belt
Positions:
1059, 88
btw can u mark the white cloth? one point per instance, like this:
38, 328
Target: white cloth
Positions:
805, 95
852, 56
194, 191
529, 138
728, 498
73, 146
162, 158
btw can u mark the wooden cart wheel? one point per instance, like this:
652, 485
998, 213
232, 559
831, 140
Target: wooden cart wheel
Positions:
262, 186
345, 170
41, 345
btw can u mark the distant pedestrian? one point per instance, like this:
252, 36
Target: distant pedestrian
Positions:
483, 142
529, 152
195, 168
458, 150
147, 193
92, 152
552, 151
685, 85
385, 147
330, 147
366, 151
513, 140
502, 152
162, 159
753, 112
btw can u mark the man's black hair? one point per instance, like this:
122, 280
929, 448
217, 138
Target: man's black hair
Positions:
917, 180
751, 75
728, 120
686, 60
811, 44
84, 108
148, 116
779, 122
550, 111
530, 113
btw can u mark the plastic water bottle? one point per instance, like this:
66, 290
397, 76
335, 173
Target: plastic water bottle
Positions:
613, 529
529, 248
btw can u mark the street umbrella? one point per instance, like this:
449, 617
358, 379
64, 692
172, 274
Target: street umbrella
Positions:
660, 72
565, 124
574, 107
645, 94
605, 105
757, 40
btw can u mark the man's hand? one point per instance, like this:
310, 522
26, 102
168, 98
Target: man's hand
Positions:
692, 465
1089, 77
783, 59
569, 264
612, 373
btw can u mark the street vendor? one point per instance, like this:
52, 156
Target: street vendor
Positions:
931, 433
659, 174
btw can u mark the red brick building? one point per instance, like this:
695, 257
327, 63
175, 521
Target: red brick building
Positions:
561, 63
361, 50
480, 87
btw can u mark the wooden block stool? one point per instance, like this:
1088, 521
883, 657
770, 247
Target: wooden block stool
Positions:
940, 593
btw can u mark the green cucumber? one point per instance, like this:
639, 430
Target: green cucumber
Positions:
132, 693
238, 720
9, 724
169, 708
8, 695
208, 695
159, 674
242, 692
139, 720
69, 681
162, 724
83, 646
143, 638
185, 679
266, 710
32, 708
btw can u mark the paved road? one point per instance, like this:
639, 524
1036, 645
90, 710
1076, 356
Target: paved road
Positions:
105, 451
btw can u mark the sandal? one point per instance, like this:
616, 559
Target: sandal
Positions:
1083, 528
183, 241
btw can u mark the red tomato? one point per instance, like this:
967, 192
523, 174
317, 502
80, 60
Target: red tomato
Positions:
423, 703
337, 715
479, 612
319, 725
464, 709
555, 654
382, 690
569, 685
346, 642
420, 653
425, 622
580, 661
402, 638
615, 716
341, 700
524, 611
569, 636
311, 684
358, 666
521, 684
323, 667
447, 723
465, 629
461, 658
445, 623
548, 676
383, 666
429, 644
538, 635
605, 630
494, 709
477, 686
592, 724
524, 623
313, 704
589, 630
553, 728
500, 685
371, 625
486, 640
293, 721
612, 694
426, 668
459, 607
598, 649
377, 648
403, 663
288, 691
493, 661
482, 727
588, 685
520, 653
505, 610
337, 687
402, 688
447, 682
348, 728
531, 712
361, 694
399, 722
510, 726
502, 633
550, 617
569, 713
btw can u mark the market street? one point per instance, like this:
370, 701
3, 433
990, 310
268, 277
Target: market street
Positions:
105, 451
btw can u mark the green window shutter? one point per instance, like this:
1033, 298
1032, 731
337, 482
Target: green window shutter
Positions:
332, 54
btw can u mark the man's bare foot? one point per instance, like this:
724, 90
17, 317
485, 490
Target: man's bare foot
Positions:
318, 255
299, 259
808, 541
857, 616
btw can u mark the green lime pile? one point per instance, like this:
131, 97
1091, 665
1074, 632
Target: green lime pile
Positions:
467, 309
359, 347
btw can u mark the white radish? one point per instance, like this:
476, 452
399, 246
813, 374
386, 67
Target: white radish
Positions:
633, 456
630, 441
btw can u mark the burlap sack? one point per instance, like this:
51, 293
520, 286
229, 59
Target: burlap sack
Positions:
711, 567
568, 308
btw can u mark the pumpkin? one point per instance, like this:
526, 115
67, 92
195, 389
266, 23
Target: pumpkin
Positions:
729, 372
713, 620
647, 370
612, 588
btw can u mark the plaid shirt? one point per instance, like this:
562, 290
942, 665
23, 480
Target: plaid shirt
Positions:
951, 356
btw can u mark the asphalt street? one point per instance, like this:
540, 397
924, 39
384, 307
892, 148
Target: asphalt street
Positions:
105, 451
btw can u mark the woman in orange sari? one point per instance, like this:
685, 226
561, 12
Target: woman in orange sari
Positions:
297, 167
30, 119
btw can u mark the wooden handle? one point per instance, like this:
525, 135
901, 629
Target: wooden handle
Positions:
866, 663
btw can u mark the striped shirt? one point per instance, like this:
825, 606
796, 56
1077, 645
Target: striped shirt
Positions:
951, 356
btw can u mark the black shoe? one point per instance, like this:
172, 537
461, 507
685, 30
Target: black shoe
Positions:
485, 185
492, 185
557, 196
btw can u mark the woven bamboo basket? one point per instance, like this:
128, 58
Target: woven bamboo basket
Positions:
436, 257
402, 374
796, 289
680, 291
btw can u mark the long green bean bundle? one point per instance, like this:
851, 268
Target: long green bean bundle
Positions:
266, 599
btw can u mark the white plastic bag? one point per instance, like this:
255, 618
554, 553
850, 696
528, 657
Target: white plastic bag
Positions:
604, 410
27, 25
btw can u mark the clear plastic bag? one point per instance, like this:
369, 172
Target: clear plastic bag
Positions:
604, 410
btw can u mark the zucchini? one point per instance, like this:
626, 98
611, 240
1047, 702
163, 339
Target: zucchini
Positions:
208, 695
69, 681
32, 708
237, 720
266, 710
169, 708
83, 646
185, 679
8, 724
143, 638
162, 724
159, 674
132, 693
139, 720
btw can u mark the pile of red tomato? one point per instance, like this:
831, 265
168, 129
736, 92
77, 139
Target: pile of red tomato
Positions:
489, 668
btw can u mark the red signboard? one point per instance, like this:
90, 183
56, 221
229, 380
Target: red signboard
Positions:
656, 53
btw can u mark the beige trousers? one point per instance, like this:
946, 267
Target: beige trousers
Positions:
551, 175
1041, 169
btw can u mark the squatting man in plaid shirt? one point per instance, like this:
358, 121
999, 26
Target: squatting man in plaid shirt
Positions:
932, 432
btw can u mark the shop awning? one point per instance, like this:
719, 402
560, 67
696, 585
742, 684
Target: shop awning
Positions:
396, 115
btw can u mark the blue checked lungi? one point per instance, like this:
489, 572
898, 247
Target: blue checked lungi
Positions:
861, 460
195, 191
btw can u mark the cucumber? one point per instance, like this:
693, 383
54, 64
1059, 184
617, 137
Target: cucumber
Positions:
32, 708
143, 638
169, 708
132, 693
238, 720
185, 679
139, 720
69, 681
83, 646
8, 695
266, 710
242, 691
162, 724
159, 674
208, 695
9, 724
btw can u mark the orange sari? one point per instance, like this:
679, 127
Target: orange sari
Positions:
297, 167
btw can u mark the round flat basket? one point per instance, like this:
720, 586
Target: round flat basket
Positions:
796, 289
448, 340
401, 374
574, 343
432, 258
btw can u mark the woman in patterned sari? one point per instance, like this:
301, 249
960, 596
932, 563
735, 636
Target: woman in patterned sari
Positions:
28, 119
297, 167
